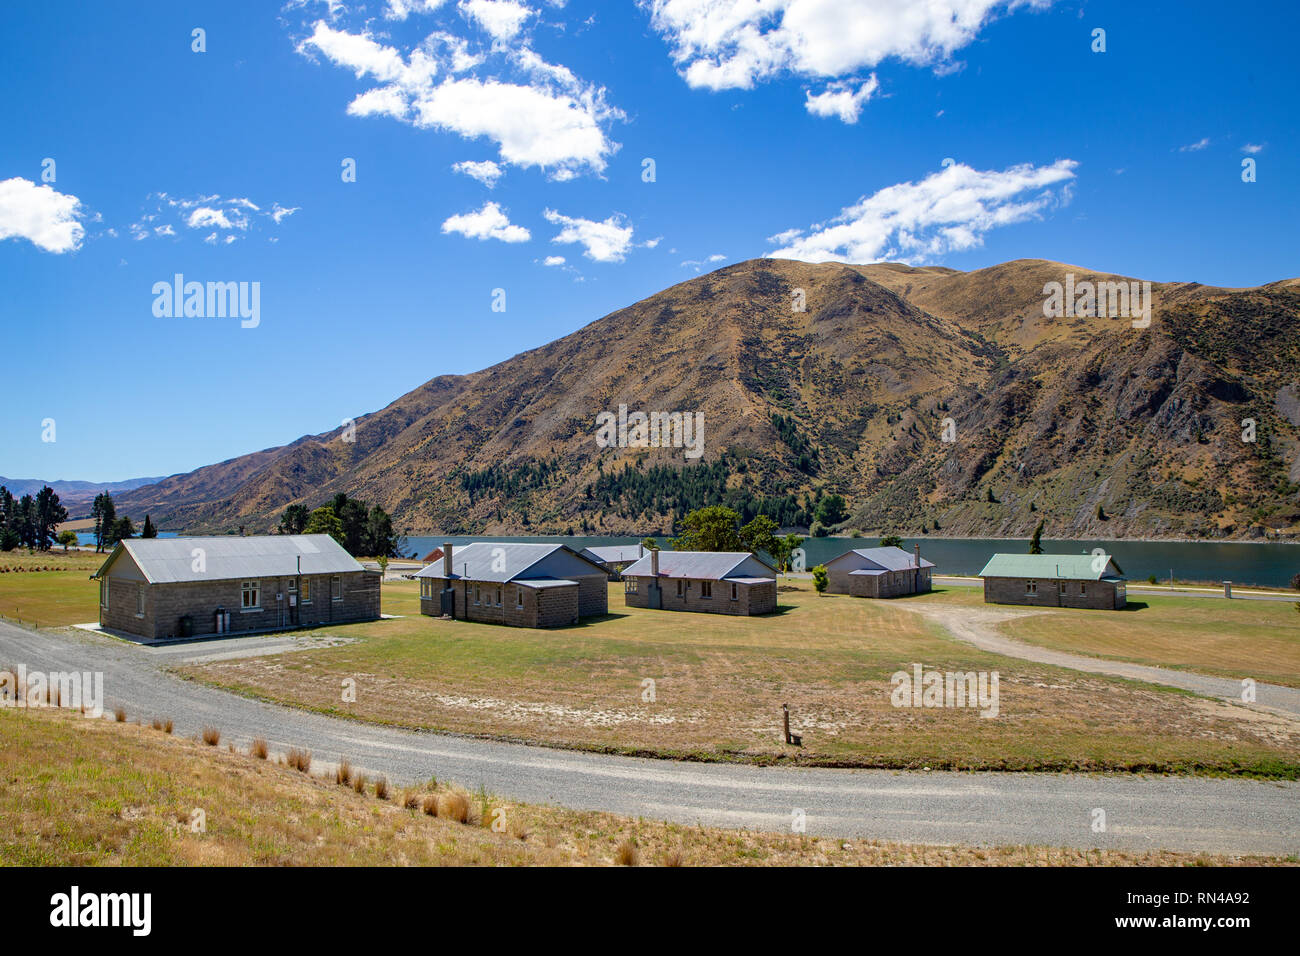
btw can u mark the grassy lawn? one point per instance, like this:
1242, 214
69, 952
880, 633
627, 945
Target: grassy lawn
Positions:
1236, 639
720, 682
84, 792
49, 598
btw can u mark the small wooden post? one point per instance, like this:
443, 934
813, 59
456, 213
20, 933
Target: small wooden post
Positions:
785, 713
1227, 590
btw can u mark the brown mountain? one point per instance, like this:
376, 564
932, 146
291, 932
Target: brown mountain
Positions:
1089, 424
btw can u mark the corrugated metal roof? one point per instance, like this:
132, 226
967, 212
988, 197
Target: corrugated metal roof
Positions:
227, 557
614, 553
752, 580
704, 565
499, 561
1072, 567
890, 559
539, 583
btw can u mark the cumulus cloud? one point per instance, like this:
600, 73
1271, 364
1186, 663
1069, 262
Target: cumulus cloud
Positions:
537, 113
553, 261
732, 44
948, 211
401, 9
840, 99
503, 19
490, 222
606, 241
486, 172
46, 218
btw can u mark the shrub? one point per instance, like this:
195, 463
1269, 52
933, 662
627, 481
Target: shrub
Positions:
120, 715
627, 854
343, 773
299, 760
381, 788
430, 805
454, 806
359, 783
410, 800
211, 736
258, 748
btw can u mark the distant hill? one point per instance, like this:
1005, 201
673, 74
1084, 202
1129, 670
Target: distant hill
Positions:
1053, 418
74, 495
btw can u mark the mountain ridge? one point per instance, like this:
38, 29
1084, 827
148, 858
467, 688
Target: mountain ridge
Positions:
1054, 418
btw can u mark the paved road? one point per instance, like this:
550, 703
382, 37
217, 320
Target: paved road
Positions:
1057, 810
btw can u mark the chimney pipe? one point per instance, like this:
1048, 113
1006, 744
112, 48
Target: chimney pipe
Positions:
654, 563
917, 551
446, 559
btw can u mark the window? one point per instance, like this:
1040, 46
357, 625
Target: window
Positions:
306, 590
679, 587
476, 594
630, 585
1031, 587
293, 585
250, 595
498, 597
336, 588
103, 592
1062, 587
424, 587
519, 598
734, 590
139, 600
1083, 589
706, 589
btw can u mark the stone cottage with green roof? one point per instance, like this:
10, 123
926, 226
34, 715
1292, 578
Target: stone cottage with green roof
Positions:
1055, 580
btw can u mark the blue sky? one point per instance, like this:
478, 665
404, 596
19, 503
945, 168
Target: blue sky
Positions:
819, 132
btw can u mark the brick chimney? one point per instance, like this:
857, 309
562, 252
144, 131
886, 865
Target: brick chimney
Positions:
446, 559
917, 551
654, 563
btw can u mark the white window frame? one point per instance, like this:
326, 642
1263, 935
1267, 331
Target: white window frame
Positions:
247, 588
336, 585
1031, 587
139, 600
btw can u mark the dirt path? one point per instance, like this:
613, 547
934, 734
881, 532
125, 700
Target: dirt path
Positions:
978, 626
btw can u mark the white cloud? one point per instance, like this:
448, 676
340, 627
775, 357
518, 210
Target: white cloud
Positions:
503, 19
1195, 147
490, 222
206, 216
236, 216
553, 261
950, 210
840, 99
731, 44
486, 172
549, 118
1252, 148
48, 219
401, 9
605, 241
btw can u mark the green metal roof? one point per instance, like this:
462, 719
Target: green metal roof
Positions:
1072, 567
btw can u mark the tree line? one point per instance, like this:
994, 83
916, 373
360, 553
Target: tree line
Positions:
359, 528
30, 522
109, 529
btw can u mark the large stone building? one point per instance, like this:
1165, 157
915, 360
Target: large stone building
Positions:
523, 585
711, 582
158, 588
878, 573
1055, 580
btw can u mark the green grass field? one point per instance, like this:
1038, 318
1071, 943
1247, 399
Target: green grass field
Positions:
1236, 639
719, 682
